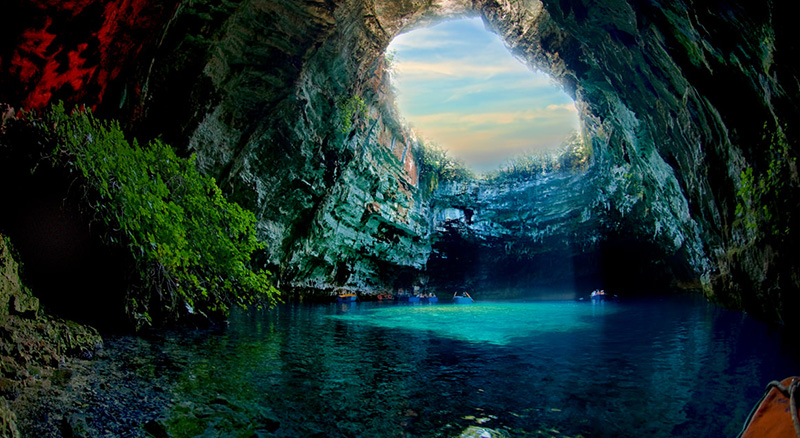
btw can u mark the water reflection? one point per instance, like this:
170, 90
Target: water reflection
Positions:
649, 368
493, 323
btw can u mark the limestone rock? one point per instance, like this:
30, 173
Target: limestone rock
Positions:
27, 338
685, 106
8, 422
9, 276
24, 304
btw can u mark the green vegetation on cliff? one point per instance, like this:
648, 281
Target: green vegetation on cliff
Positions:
436, 166
350, 111
192, 248
573, 156
763, 205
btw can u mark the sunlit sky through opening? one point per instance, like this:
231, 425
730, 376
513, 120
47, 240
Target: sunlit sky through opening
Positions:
458, 86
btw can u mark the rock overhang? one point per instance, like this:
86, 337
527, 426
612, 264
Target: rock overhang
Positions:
652, 83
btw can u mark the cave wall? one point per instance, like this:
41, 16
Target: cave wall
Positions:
690, 96
679, 99
333, 190
518, 237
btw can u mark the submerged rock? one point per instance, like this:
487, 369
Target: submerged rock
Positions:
482, 432
76, 426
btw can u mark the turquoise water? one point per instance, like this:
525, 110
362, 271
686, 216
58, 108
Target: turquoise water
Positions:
491, 323
654, 367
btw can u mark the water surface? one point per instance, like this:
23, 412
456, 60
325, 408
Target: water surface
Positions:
649, 367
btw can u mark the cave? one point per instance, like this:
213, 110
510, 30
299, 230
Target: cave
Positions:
675, 101
685, 208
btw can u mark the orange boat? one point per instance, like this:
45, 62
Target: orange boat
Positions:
347, 297
776, 415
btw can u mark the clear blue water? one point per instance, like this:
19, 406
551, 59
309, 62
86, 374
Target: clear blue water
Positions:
648, 367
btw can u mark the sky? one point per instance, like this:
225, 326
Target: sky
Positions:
459, 86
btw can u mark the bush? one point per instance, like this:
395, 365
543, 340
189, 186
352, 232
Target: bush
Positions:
763, 205
435, 166
573, 156
192, 248
351, 110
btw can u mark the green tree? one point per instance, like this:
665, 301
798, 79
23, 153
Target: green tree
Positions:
192, 248
574, 155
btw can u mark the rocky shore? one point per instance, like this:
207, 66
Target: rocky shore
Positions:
35, 348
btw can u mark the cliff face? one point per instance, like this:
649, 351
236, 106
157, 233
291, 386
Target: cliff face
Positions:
310, 142
509, 238
689, 109
691, 100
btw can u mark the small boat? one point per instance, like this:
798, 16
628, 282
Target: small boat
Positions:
385, 297
429, 299
601, 295
408, 298
776, 415
348, 297
462, 298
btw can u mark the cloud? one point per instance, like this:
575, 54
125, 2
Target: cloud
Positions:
460, 87
570, 107
516, 90
445, 35
470, 120
458, 68
422, 39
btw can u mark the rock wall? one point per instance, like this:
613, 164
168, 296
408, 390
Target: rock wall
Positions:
690, 108
688, 97
555, 235
15, 298
512, 238
330, 180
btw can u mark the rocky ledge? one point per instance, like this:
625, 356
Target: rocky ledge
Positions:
33, 345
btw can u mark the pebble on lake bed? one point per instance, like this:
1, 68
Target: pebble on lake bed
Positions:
482, 432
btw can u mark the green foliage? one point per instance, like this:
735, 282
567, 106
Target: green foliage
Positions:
573, 156
436, 166
350, 110
764, 206
389, 59
191, 246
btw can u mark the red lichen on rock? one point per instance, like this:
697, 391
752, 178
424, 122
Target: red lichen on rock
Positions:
72, 50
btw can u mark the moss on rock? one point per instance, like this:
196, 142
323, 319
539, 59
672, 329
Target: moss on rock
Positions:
8, 421
14, 297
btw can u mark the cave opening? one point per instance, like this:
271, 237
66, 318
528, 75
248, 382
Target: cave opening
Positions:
461, 89
532, 224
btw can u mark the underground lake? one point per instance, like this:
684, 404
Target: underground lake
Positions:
659, 367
